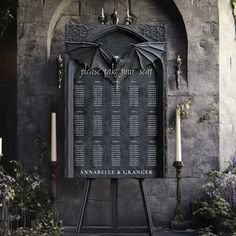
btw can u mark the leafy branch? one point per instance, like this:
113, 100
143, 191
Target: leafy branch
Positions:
185, 113
213, 110
6, 18
185, 108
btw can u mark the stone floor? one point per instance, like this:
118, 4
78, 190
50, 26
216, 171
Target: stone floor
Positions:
159, 232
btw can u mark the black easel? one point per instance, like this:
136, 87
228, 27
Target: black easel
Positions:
114, 186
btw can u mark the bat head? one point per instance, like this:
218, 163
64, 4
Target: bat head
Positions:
115, 59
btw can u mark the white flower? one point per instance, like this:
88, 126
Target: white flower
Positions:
35, 184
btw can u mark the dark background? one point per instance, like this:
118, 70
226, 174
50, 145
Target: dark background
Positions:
8, 75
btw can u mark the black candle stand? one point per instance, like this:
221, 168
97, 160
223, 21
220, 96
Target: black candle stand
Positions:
53, 166
178, 222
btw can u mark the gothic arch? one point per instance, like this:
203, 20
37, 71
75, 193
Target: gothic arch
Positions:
55, 18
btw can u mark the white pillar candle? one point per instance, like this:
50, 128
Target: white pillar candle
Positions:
103, 13
53, 137
0, 146
127, 12
178, 135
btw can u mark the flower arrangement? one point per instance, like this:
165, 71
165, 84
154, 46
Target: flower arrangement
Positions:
26, 201
7, 191
215, 211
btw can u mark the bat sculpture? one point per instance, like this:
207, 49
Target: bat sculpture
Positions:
93, 56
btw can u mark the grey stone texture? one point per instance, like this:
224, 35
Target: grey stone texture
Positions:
41, 38
227, 82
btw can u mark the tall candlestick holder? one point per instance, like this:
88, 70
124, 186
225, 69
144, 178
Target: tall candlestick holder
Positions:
53, 166
1, 156
178, 222
102, 19
128, 18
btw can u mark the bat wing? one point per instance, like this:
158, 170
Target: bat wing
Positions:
142, 55
90, 54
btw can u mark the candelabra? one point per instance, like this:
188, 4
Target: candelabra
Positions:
178, 222
53, 166
103, 18
128, 18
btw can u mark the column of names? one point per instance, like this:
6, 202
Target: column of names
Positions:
79, 154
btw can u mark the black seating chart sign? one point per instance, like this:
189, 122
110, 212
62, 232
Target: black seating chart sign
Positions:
118, 125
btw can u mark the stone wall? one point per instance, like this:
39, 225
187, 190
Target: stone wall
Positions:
41, 38
227, 82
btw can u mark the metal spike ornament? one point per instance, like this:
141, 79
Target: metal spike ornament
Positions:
114, 17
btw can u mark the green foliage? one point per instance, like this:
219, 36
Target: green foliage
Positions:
207, 232
7, 191
6, 18
216, 208
31, 206
47, 225
213, 110
31, 191
211, 211
185, 113
185, 108
29, 199
216, 215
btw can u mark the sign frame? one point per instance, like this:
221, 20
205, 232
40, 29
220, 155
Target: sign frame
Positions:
89, 33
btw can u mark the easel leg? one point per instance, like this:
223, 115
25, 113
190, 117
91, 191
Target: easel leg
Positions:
147, 208
83, 205
114, 194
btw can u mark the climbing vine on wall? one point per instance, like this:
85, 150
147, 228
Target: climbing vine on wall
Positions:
185, 113
185, 108
213, 109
